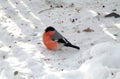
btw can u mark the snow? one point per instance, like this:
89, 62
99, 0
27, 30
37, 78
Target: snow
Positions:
23, 55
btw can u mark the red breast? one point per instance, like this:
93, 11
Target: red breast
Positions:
51, 45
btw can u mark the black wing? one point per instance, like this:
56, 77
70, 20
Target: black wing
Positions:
58, 37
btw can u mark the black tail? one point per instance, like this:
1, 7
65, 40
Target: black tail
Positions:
73, 46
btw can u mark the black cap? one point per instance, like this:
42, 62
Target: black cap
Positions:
50, 28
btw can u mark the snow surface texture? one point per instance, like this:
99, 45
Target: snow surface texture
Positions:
23, 55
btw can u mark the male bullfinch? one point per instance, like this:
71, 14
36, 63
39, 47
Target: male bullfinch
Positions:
54, 40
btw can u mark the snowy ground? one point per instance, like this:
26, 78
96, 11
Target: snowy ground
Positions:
23, 55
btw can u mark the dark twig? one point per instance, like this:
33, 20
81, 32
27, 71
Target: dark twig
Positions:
113, 14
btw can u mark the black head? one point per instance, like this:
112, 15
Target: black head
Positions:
50, 28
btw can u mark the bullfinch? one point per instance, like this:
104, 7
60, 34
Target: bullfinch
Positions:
53, 40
